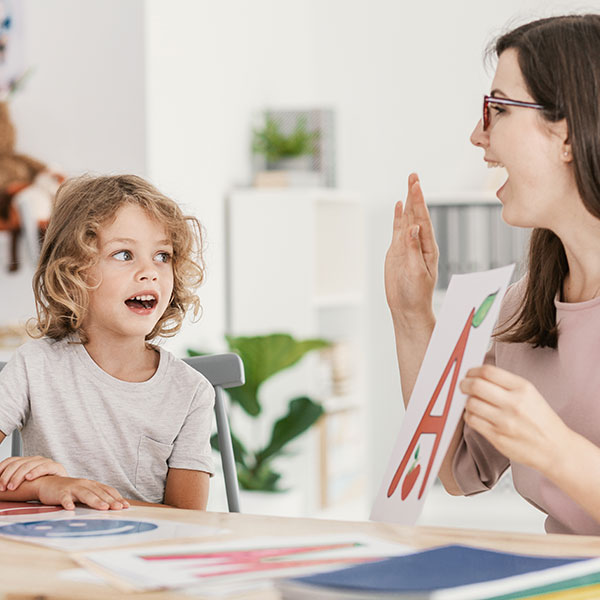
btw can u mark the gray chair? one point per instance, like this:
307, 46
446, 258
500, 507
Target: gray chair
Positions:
223, 371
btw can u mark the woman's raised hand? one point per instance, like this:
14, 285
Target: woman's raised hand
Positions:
411, 262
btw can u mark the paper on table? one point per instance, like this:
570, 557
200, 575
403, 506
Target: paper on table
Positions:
445, 573
459, 342
231, 562
86, 529
23, 512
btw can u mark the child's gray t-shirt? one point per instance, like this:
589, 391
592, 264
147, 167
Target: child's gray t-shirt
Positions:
123, 434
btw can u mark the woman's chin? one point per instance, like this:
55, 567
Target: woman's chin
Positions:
510, 217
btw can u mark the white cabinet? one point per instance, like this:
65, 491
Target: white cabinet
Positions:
296, 264
291, 254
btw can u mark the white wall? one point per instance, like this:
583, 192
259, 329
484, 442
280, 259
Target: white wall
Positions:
405, 79
83, 106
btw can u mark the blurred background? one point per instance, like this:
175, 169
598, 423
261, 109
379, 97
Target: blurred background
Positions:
183, 92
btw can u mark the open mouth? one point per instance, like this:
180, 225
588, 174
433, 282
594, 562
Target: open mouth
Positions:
142, 303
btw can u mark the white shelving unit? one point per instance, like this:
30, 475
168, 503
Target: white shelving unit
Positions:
296, 264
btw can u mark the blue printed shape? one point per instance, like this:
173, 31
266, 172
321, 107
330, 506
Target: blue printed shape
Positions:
76, 528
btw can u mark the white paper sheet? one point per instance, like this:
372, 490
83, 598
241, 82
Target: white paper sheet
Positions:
220, 567
87, 529
459, 342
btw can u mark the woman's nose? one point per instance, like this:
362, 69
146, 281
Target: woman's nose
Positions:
479, 137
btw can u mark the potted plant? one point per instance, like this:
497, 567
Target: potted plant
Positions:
264, 356
283, 151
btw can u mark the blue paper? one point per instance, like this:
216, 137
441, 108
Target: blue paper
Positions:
431, 570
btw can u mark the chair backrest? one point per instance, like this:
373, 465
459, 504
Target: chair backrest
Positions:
223, 371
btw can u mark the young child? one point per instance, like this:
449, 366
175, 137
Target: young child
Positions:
95, 401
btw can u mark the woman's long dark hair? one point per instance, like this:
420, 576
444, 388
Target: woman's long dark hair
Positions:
559, 58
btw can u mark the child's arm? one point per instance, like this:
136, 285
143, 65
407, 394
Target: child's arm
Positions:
186, 488
65, 491
17, 469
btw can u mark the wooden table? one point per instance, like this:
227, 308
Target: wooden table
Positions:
29, 571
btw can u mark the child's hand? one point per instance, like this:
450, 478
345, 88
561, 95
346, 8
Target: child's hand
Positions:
16, 469
66, 491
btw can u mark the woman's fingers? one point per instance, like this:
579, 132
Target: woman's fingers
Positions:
483, 410
483, 389
397, 226
407, 215
421, 217
481, 426
497, 376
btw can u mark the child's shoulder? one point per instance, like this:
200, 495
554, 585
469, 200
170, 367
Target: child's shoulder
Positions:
180, 373
42, 349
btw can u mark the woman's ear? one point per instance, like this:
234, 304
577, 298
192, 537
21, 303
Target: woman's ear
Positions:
566, 153
561, 131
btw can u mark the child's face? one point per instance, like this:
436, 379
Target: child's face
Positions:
134, 273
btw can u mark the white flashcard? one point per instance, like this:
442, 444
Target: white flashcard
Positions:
459, 342
222, 566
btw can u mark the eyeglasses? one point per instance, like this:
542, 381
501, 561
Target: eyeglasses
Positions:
487, 100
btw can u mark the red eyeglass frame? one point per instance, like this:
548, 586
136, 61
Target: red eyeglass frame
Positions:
487, 100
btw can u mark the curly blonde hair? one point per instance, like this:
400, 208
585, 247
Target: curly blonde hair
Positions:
82, 206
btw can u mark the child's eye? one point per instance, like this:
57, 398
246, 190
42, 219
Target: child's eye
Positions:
123, 255
497, 109
163, 257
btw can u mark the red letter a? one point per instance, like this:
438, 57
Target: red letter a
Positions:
431, 423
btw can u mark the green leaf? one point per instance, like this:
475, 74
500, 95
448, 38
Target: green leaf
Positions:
483, 310
275, 145
302, 413
239, 450
263, 479
417, 452
263, 357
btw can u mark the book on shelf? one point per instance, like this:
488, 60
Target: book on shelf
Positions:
452, 572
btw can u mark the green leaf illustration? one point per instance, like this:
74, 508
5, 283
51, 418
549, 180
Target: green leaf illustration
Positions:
483, 310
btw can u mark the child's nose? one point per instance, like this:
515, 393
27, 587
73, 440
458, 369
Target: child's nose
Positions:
147, 271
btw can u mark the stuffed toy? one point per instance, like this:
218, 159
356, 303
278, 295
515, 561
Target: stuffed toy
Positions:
27, 189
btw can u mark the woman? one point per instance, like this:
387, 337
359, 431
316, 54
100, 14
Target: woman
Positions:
535, 404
